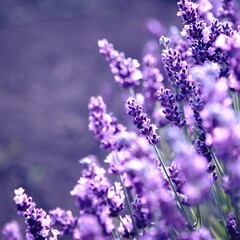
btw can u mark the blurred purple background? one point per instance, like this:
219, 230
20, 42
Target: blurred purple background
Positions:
49, 68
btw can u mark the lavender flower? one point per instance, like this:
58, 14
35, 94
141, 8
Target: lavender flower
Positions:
125, 69
115, 199
148, 183
63, 220
103, 124
126, 228
92, 187
140, 213
91, 193
232, 227
11, 231
136, 147
152, 78
171, 111
229, 11
196, 183
230, 44
188, 11
141, 121
37, 220
88, 228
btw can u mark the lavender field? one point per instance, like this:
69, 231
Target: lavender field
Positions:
136, 145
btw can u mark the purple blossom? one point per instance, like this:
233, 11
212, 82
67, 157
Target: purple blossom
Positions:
115, 199
149, 184
141, 121
104, 125
37, 220
193, 170
63, 220
229, 11
136, 147
230, 45
232, 227
126, 228
125, 70
222, 130
11, 231
88, 228
91, 187
91, 193
188, 11
160, 231
171, 111
152, 78
178, 180
140, 212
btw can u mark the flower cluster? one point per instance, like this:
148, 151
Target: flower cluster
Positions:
184, 185
36, 219
152, 78
171, 111
103, 124
141, 121
125, 70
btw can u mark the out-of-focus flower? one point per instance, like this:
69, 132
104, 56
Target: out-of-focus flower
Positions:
11, 231
63, 220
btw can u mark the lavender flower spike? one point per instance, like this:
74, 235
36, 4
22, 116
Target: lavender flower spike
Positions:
104, 125
171, 111
37, 220
141, 121
125, 70
232, 227
63, 220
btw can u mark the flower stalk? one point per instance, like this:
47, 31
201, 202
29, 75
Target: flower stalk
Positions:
172, 186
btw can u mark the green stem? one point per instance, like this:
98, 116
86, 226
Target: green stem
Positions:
219, 208
236, 101
172, 186
199, 220
129, 207
184, 117
237, 106
124, 226
206, 216
114, 234
219, 167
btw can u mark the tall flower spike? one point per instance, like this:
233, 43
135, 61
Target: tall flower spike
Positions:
63, 220
188, 11
141, 121
232, 227
140, 213
88, 228
37, 220
115, 199
171, 111
125, 70
152, 78
104, 125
